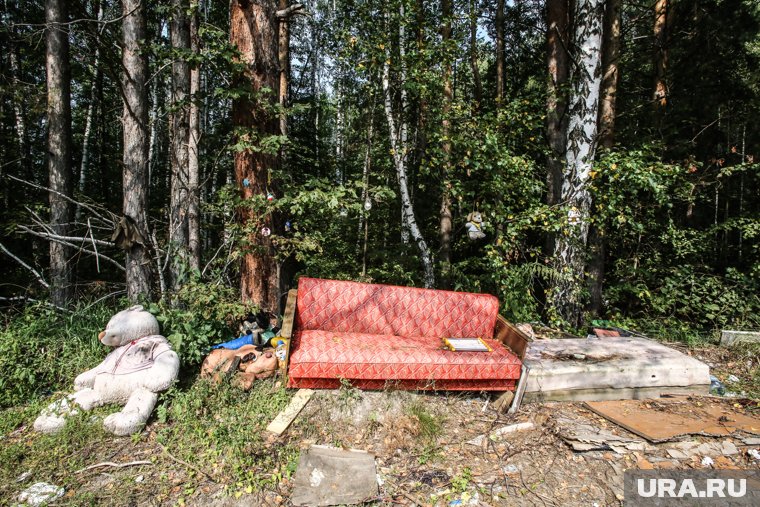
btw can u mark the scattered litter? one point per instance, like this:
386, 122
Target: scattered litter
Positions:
707, 461
581, 437
754, 453
510, 469
716, 387
512, 428
40, 494
24, 476
666, 418
139, 479
328, 476
733, 378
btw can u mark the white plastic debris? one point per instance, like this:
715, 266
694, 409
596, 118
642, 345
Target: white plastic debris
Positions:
733, 378
707, 461
40, 494
139, 479
754, 453
24, 476
510, 469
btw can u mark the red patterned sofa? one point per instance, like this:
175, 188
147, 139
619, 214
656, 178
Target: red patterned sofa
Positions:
379, 336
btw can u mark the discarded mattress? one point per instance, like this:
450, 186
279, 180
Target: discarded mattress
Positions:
609, 369
380, 336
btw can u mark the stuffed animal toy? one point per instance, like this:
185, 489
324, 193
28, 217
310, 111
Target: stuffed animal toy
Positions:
142, 365
474, 226
244, 365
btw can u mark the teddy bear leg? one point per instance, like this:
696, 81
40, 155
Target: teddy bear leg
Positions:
134, 414
87, 398
53, 418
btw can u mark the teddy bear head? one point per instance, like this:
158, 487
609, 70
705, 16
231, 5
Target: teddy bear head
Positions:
128, 325
475, 217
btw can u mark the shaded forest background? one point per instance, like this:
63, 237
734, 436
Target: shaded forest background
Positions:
460, 93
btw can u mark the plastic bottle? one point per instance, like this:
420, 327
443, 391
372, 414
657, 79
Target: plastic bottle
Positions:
281, 352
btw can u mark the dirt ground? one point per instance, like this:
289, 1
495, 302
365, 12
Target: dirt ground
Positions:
423, 454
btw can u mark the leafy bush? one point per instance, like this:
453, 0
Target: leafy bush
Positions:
42, 349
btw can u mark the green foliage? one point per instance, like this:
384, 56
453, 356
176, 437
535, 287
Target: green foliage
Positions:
42, 349
198, 316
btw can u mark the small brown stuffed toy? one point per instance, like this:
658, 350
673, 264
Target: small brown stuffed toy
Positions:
244, 365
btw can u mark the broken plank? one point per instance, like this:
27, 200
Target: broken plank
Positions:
283, 420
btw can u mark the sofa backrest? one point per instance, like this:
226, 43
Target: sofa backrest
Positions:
339, 306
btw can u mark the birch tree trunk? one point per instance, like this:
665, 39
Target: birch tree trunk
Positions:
445, 212
253, 30
59, 145
583, 108
397, 131
193, 147
96, 77
179, 29
135, 157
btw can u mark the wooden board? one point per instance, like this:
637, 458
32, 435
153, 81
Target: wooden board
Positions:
280, 423
614, 393
286, 330
509, 335
665, 419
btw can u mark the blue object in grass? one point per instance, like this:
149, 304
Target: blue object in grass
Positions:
236, 343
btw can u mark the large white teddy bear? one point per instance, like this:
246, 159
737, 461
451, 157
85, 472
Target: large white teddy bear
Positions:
142, 365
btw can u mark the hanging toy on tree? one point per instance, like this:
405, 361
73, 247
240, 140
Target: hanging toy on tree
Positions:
266, 231
270, 197
474, 226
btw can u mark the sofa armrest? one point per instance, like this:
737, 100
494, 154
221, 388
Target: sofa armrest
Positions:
286, 330
511, 337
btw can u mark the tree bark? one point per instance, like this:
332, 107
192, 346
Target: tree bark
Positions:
611, 76
660, 95
193, 147
135, 156
478, 86
557, 63
283, 56
179, 29
500, 71
583, 108
253, 30
445, 212
59, 145
400, 150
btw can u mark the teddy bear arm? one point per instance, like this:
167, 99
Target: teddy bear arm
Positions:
163, 373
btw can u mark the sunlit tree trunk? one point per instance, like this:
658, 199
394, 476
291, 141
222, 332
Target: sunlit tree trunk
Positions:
135, 156
398, 132
193, 147
253, 30
500, 71
179, 29
660, 55
583, 108
445, 212
59, 145
284, 60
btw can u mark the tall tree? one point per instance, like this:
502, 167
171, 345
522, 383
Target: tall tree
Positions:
500, 70
179, 234
135, 157
583, 108
445, 212
660, 94
253, 30
557, 64
193, 147
59, 145
477, 84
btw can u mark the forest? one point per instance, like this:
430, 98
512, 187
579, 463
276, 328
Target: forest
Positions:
200, 156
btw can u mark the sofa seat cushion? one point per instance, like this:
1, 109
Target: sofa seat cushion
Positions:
334, 305
319, 354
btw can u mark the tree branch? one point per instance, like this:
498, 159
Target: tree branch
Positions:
292, 10
61, 240
27, 266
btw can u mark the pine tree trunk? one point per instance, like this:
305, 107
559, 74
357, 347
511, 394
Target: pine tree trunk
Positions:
660, 95
59, 145
179, 29
445, 212
253, 30
557, 63
96, 79
500, 71
284, 59
135, 157
397, 131
478, 86
193, 153
570, 248
610, 61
